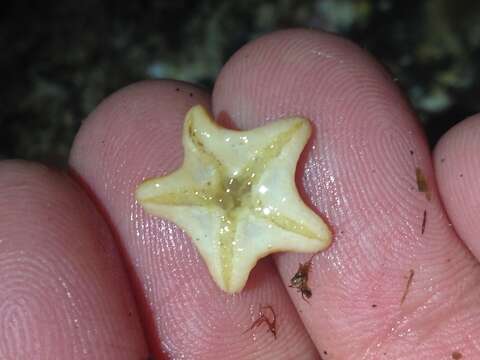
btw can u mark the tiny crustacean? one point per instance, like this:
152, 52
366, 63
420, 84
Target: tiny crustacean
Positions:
300, 280
262, 318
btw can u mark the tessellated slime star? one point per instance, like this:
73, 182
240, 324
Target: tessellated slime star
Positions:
235, 195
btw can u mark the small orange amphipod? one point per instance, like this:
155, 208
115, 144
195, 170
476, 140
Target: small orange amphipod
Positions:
262, 318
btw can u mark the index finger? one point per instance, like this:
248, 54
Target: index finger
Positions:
396, 281
133, 135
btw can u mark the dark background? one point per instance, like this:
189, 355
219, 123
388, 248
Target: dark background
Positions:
59, 59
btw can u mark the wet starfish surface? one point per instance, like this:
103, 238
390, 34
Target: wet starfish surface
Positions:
235, 195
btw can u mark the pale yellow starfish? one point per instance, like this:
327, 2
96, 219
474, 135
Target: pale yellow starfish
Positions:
235, 195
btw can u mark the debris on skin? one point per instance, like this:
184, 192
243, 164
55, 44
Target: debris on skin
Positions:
263, 318
407, 287
422, 183
424, 222
457, 355
300, 280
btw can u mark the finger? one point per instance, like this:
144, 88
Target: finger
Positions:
63, 292
136, 134
360, 173
457, 168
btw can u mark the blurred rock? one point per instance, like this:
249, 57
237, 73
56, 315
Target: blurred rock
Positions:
60, 59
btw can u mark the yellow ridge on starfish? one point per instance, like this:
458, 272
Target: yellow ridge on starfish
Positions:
235, 195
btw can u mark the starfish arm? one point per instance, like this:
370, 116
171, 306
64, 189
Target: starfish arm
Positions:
195, 183
203, 225
175, 189
256, 238
276, 198
235, 149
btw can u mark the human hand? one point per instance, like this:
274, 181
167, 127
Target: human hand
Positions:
68, 281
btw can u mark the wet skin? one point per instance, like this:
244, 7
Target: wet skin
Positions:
85, 272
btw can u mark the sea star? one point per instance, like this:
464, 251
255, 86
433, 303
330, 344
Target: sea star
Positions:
235, 195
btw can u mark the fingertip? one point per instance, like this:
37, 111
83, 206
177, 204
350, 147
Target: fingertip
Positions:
457, 169
280, 73
129, 111
360, 171
61, 279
